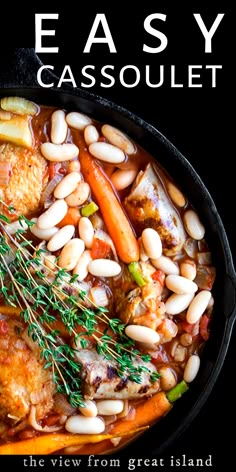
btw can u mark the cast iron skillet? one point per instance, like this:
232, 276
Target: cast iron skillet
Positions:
18, 77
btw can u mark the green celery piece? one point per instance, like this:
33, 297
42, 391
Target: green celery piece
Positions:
89, 209
177, 392
135, 271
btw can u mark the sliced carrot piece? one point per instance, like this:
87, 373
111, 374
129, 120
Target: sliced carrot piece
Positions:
72, 218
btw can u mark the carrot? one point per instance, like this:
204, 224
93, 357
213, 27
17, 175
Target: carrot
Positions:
49, 443
72, 218
146, 413
10, 310
115, 219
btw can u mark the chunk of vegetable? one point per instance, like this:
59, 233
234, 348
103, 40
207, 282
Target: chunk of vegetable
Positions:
16, 131
177, 392
19, 105
10, 310
49, 443
135, 271
89, 209
72, 217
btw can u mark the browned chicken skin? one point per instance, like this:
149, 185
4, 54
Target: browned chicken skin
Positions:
23, 380
27, 178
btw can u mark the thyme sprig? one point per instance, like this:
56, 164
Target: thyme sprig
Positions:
45, 295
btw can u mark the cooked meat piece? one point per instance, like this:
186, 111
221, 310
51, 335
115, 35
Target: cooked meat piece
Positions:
27, 178
143, 306
23, 380
148, 206
100, 379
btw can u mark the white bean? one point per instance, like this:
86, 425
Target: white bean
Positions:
104, 268
142, 334
67, 185
198, 306
119, 139
188, 269
180, 285
91, 135
86, 232
59, 152
15, 226
54, 214
79, 424
176, 195
107, 153
59, 127
110, 407
81, 268
77, 120
71, 253
61, 238
211, 303
193, 225
152, 243
142, 254
168, 378
167, 265
79, 196
122, 179
175, 304
73, 166
43, 234
191, 368
89, 409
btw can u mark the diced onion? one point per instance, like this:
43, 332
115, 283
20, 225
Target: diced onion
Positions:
190, 247
50, 189
99, 296
205, 277
116, 441
204, 258
62, 406
33, 422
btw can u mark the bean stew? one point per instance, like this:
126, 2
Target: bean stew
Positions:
105, 284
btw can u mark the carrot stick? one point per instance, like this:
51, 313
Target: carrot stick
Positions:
49, 443
146, 413
10, 310
115, 219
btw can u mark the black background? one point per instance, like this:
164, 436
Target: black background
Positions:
197, 121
